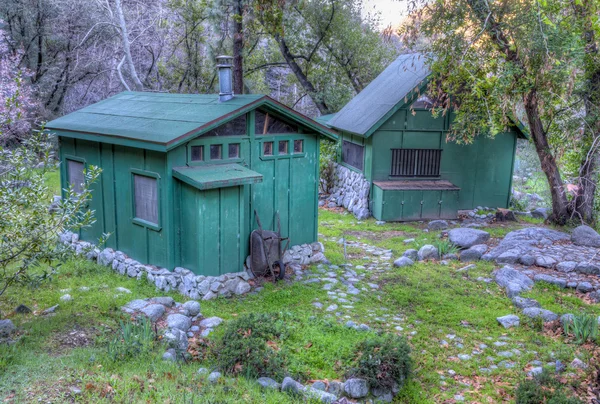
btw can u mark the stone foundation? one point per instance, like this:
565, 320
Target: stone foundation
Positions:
350, 190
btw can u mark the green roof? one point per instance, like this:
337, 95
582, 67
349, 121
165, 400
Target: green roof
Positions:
216, 176
323, 119
161, 121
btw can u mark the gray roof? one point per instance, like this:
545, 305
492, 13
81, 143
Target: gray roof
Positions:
385, 92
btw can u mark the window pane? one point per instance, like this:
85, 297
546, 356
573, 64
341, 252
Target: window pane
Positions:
197, 153
236, 127
234, 151
298, 146
146, 198
268, 148
283, 147
216, 152
352, 154
75, 175
268, 124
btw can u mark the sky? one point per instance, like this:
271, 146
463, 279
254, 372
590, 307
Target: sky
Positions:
391, 11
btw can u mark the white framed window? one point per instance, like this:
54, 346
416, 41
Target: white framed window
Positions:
146, 199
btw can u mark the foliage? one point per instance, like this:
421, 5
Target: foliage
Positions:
134, 338
384, 362
584, 327
250, 346
445, 246
543, 388
29, 226
326, 165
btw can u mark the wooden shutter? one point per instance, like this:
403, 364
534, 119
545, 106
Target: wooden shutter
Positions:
416, 162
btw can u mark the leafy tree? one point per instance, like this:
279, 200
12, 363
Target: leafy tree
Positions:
495, 61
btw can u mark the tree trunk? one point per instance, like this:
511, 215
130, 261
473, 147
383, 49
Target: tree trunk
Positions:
304, 82
127, 48
560, 211
238, 48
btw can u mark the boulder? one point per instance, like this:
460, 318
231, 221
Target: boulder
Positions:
179, 322
403, 262
177, 339
585, 236
312, 393
6, 328
411, 254
106, 257
192, 307
470, 254
437, 225
214, 377
211, 322
242, 287
551, 280
356, 388
508, 321
268, 383
527, 260
524, 303
513, 281
165, 301
289, 385
153, 311
170, 355
428, 251
465, 237
584, 287
540, 213
535, 312
566, 266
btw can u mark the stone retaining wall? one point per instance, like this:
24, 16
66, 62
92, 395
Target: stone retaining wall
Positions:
350, 190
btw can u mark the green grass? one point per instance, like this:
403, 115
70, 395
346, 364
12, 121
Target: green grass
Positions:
429, 301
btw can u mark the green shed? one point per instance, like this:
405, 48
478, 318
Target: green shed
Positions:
396, 162
183, 174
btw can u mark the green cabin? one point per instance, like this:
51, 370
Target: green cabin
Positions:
182, 175
389, 135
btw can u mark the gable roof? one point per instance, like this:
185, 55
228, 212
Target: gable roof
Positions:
161, 121
384, 93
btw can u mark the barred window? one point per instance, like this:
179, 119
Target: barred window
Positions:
146, 198
353, 154
416, 162
75, 175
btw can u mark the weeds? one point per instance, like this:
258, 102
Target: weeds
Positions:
584, 327
446, 247
134, 338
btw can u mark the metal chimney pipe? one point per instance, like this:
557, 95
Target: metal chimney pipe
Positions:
225, 82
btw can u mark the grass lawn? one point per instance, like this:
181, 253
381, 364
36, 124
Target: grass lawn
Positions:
442, 312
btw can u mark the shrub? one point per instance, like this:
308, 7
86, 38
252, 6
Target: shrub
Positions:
250, 346
584, 327
543, 388
133, 339
446, 247
384, 362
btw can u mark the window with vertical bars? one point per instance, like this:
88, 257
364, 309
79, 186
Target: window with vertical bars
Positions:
416, 162
146, 198
75, 175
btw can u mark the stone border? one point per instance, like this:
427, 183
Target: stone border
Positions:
350, 190
181, 279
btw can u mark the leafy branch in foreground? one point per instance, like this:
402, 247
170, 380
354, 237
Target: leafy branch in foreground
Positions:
29, 227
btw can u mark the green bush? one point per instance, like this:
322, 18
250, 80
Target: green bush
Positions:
446, 247
134, 338
383, 361
250, 346
543, 388
584, 327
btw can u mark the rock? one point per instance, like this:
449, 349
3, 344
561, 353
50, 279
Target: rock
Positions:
177, 339
312, 393
192, 307
508, 321
540, 213
122, 290
153, 311
535, 371
464, 357
106, 257
268, 383
513, 281
214, 377
428, 251
319, 385
356, 388
165, 301
411, 254
585, 236
527, 260
550, 279
210, 295
566, 319
584, 287
134, 305
179, 322
470, 255
170, 355
403, 262
242, 288
437, 225
336, 388
22, 309
587, 268
535, 312
291, 386
566, 266
6, 328
50, 310
211, 322
578, 364
466, 237
523, 242
66, 298
523, 303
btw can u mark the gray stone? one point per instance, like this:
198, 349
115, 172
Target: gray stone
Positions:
470, 255
177, 339
179, 321
242, 287
106, 257
566, 319
584, 287
291, 386
540, 213
22, 309
203, 371
268, 383
170, 355
508, 321
466, 237
464, 357
336, 388
121, 289
411, 254
535, 312
192, 307
523, 303
513, 281
356, 388
319, 395
535, 371
165, 301
550, 279
427, 252
527, 260
6, 328
319, 385
437, 225
211, 322
209, 296
585, 236
578, 364
587, 268
403, 262
153, 311
66, 298
566, 266
50, 310
214, 377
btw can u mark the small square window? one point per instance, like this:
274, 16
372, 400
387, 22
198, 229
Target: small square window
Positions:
197, 153
298, 146
283, 147
216, 152
234, 151
268, 148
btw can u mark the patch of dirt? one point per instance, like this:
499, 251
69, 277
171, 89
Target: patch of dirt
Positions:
76, 337
377, 236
